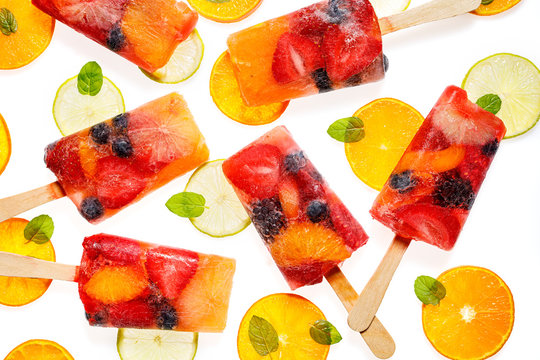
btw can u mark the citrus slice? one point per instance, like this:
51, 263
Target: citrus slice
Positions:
73, 111
225, 214
27, 33
15, 291
225, 11
5, 144
291, 316
184, 62
226, 95
389, 7
475, 318
39, 349
495, 7
137, 344
516, 81
389, 125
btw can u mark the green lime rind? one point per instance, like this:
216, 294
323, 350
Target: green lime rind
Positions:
142, 344
516, 80
225, 215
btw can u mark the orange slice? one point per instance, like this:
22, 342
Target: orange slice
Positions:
5, 144
475, 318
496, 7
39, 350
291, 316
225, 10
226, 95
389, 125
114, 284
432, 161
15, 291
32, 35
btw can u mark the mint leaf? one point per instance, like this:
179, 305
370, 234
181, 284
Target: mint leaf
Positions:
8, 23
490, 102
347, 130
323, 332
187, 204
262, 336
39, 229
486, 2
429, 290
90, 79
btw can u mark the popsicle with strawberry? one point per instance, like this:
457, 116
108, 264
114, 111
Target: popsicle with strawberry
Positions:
431, 190
146, 32
115, 163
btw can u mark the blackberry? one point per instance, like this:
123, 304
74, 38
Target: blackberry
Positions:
97, 319
166, 316
120, 122
295, 161
100, 133
121, 146
403, 182
91, 208
489, 149
337, 12
116, 39
386, 63
452, 191
323, 82
268, 218
317, 211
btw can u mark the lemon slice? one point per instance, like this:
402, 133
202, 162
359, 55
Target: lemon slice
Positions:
516, 81
138, 344
73, 111
184, 62
389, 7
225, 214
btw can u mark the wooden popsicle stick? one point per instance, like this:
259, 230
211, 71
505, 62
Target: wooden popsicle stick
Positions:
363, 312
26, 266
16, 204
432, 11
376, 337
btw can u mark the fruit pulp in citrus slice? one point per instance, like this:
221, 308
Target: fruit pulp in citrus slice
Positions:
5, 144
16, 291
225, 10
39, 349
516, 81
142, 344
30, 33
227, 97
389, 126
291, 316
495, 7
475, 318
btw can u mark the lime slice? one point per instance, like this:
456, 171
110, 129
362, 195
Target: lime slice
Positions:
138, 344
225, 214
516, 81
184, 62
389, 7
73, 111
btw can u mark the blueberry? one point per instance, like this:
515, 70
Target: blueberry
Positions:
100, 133
116, 39
317, 211
91, 208
294, 162
403, 182
489, 149
120, 122
166, 317
268, 218
337, 12
453, 191
97, 319
121, 146
386, 63
323, 82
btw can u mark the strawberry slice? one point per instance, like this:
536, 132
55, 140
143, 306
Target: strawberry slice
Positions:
295, 57
310, 22
345, 224
62, 158
306, 274
121, 250
132, 314
171, 269
118, 182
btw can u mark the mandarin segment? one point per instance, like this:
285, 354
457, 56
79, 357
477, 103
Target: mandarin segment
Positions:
114, 284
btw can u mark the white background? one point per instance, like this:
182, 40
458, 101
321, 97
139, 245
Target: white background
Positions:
502, 232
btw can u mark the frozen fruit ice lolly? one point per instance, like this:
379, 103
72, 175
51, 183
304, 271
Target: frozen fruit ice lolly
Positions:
117, 162
146, 32
328, 45
304, 225
128, 283
430, 192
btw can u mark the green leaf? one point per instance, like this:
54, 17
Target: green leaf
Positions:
8, 23
486, 2
347, 130
90, 79
262, 336
323, 332
187, 204
490, 102
39, 229
429, 290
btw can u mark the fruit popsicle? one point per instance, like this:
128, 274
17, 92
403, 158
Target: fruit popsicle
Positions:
302, 222
128, 283
146, 32
115, 163
325, 46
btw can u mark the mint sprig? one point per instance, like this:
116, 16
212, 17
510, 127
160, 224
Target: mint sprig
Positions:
187, 204
8, 23
323, 332
39, 229
347, 130
90, 79
429, 290
263, 336
490, 102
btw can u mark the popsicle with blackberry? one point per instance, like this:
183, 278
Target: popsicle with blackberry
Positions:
146, 32
430, 192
